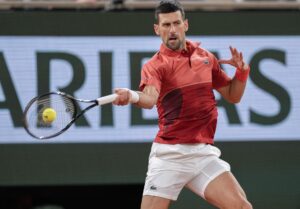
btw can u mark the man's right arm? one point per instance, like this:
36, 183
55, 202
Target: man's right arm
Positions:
146, 99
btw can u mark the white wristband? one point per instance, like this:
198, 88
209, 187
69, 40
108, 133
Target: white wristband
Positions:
135, 97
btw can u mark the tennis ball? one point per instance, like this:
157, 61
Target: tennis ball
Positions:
49, 115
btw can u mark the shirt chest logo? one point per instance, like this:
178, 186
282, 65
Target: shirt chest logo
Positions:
206, 62
199, 60
200, 63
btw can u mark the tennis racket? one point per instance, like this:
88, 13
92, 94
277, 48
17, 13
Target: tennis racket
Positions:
49, 115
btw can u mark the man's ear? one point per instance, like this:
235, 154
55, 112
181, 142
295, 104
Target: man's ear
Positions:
156, 29
186, 25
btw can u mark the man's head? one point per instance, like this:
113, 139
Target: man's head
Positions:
171, 24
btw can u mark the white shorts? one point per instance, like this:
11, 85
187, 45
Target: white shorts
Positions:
174, 166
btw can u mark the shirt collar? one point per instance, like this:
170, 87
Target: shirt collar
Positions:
190, 48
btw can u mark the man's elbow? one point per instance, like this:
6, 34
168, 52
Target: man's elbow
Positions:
234, 100
148, 105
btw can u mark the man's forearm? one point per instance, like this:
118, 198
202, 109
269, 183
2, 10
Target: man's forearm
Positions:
238, 84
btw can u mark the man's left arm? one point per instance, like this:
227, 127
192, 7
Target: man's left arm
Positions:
235, 90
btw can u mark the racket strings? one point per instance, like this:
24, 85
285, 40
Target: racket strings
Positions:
65, 111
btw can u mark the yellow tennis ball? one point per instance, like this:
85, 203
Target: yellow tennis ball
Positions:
49, 115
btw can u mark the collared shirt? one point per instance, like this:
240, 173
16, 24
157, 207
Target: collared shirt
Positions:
185, 81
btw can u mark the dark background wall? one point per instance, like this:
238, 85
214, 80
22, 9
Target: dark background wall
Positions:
93, 23
79, 175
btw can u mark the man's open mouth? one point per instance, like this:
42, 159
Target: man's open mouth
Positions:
172, 38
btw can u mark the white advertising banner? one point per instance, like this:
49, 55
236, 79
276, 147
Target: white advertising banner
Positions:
269, 110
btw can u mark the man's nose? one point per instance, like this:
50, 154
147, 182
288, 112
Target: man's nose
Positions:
172, 29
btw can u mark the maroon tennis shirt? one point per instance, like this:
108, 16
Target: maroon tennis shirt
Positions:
185, 81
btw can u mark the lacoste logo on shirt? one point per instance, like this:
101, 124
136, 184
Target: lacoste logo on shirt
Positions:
153, 187
206, 62
195, 59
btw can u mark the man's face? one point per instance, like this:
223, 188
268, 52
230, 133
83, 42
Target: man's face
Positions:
171, 28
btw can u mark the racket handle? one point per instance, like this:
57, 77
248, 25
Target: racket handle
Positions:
107, 99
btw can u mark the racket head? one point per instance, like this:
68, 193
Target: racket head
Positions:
65, 109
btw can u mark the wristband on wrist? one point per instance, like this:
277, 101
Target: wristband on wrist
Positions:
242, 75
135, 97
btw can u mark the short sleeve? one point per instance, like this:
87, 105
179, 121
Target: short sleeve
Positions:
150, 76
219, 77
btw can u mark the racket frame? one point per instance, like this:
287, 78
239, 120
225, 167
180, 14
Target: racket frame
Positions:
96, 102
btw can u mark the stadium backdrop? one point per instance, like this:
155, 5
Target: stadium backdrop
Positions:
88, 53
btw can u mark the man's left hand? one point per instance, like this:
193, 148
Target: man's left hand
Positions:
236, 59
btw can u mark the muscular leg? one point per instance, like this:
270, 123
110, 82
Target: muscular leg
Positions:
225, 192
153, 202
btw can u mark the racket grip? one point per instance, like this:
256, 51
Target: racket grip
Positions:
107, 99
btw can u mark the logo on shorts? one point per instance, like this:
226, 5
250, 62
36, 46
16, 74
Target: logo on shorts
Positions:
153, 187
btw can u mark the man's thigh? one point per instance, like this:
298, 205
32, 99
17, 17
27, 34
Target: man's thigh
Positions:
225, 191
210, 171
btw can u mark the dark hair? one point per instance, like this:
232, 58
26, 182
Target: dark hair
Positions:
168, 6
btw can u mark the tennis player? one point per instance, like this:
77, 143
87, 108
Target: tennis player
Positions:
179, 79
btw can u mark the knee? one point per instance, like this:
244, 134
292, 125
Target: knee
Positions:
246, 205
243, 204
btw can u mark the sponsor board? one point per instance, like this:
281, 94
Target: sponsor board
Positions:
90, 67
